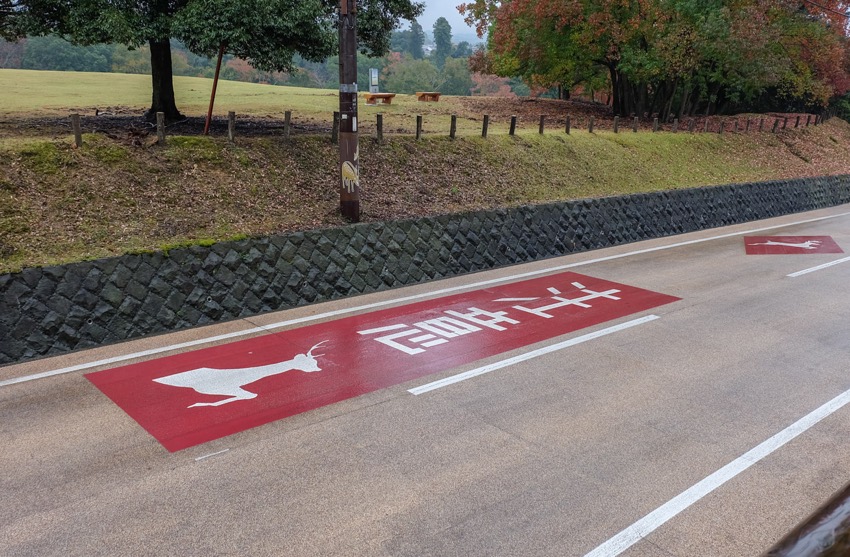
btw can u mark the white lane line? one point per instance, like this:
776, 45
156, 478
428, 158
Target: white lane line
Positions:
819, 267
648, 524
445, 382
402, 299
211, 455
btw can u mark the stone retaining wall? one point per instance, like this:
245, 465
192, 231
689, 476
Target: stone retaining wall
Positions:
45, 311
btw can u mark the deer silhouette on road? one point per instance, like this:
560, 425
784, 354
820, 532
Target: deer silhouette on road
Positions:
808, 244
230, 382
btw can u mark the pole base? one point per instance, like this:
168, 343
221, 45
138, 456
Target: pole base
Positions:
350, 210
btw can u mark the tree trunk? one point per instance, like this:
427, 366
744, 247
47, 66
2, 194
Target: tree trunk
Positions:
615, 87
162, 99
686, 97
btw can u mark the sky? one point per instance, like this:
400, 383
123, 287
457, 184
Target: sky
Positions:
448, 9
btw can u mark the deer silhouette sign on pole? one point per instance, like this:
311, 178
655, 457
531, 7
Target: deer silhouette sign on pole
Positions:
230, 382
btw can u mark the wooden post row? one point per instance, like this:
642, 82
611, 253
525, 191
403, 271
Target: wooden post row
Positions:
335, 129
160, 127
78, 131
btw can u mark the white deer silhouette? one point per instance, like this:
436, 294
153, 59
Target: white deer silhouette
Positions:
229, 382
808, 244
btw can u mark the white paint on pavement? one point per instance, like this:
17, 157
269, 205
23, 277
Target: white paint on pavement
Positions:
649, 523
206, 456
445, 382
819, 267
402, 299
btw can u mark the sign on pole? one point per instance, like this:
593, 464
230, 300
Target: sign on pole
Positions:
349, 167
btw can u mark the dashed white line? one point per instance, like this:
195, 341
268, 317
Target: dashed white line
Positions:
288, 322
445, 382
819, 267
649, 523
211, 455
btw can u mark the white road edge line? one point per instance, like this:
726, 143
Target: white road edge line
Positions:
648, 524
445, 382
296, 321
819, 267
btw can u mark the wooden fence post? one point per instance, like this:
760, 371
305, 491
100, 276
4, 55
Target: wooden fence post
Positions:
453, 127
705, 125
761, 124
616, 124
379, 126
691, 125
635, 125
512, 131
231, 126
654, 125
287, 123
568, 125
78, 131
542, 123
797, 125
808, 119
775, 125
785, 123
335, 129
722, 126
590, 125
160, 127
485, 125
419, 127
735, 129
675, 125
747, 127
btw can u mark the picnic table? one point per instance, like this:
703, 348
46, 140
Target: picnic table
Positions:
373, 98
428, 96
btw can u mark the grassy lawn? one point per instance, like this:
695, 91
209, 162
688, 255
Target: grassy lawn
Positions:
119, 193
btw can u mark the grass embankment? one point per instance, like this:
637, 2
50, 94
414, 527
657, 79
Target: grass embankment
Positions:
60, 204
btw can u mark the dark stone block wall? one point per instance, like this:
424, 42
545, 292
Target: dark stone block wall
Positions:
45, 311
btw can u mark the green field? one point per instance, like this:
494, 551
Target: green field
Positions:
119, 193
27, 92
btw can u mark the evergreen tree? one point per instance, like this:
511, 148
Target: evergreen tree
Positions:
417, 41
443, 40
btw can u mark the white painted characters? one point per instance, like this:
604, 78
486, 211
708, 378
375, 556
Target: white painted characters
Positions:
808, 244
229, 382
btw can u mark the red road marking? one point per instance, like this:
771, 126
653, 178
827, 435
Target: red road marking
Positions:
790, 245
260, 380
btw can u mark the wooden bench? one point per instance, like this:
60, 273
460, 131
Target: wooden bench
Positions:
373, 98
429, 96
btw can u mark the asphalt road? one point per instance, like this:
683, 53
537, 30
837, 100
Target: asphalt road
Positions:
639, 442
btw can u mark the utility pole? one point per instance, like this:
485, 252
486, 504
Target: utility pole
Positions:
349, 166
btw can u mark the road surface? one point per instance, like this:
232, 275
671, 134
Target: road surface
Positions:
705, 416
